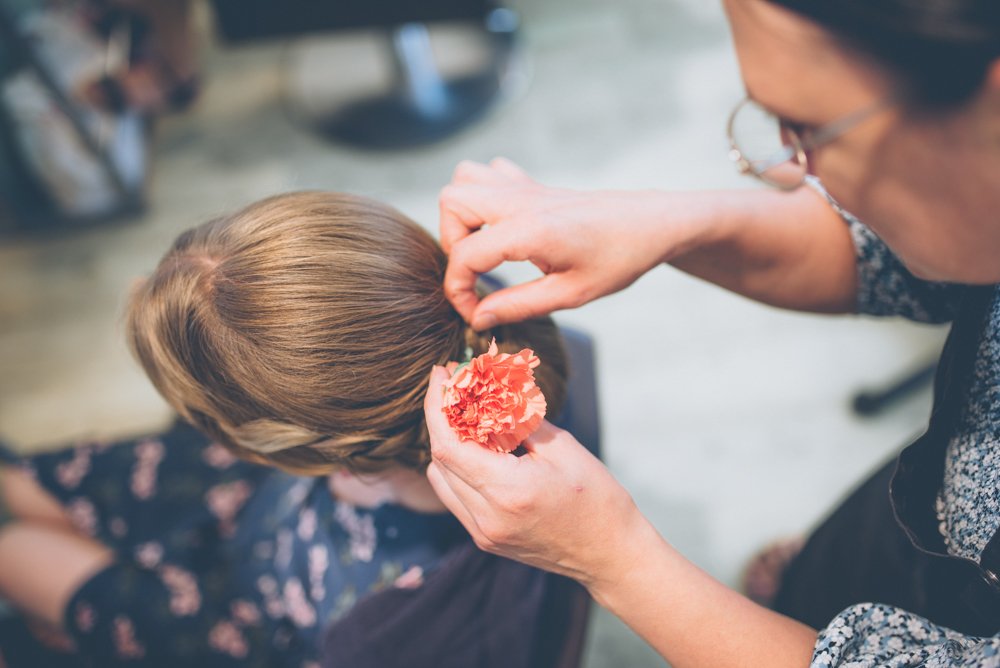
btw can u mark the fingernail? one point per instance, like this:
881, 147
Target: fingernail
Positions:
486, 321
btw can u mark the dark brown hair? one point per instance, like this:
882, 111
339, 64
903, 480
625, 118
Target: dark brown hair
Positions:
940, 50
300, 332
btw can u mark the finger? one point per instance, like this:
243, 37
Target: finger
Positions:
451, 500
510, 170
545, 439
474, 503
454, 223
478, 254
464, 208
469, 171
469, 258
434, 399
460, 289
556, 447
533, 299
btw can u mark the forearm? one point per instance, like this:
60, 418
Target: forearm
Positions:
790, 250
690, 618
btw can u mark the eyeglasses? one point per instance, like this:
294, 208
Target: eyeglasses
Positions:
774, 150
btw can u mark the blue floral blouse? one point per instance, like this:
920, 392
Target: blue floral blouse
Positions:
968, 504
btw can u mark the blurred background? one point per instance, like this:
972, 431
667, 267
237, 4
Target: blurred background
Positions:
730, 423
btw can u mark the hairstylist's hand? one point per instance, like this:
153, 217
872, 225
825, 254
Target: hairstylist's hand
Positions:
588, 244
557, 507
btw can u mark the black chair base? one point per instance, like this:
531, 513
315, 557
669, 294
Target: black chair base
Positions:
421, 107
396, 122
868, 403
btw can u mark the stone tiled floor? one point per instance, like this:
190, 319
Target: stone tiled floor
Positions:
729, 422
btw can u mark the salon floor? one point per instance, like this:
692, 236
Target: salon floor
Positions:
729, 422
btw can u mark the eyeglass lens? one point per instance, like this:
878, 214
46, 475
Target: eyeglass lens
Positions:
770, 150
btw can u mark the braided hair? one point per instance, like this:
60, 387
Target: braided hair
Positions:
299, 332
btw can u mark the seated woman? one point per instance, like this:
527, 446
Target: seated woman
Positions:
297, 335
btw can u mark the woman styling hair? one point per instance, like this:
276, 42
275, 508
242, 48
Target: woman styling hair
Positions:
889, 110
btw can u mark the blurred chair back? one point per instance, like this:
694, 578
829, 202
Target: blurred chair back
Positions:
251, 20
421, 105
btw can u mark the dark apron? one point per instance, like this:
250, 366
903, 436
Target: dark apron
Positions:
882, 545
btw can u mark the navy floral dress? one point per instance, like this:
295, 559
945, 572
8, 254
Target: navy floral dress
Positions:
220, 562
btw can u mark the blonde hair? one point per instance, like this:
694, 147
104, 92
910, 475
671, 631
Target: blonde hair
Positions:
299, 332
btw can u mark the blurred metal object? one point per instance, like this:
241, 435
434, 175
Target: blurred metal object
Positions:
427, 94
869, 403
116, 52
109, 149
24, 50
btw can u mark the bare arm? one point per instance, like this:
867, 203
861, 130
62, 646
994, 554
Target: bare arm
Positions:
692, 619
558, 508
789, 250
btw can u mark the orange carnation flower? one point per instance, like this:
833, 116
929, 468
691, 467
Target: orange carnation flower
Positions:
493, 400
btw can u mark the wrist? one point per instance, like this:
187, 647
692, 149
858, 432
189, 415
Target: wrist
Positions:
631, 551
681, 223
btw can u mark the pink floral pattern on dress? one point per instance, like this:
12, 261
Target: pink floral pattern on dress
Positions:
70, 473
283, 549
319, 562
85, 617
274, 606
245, 613
307, 524
299, 611
411, 579
226, 638
185, 598
225, 501
83, 515
149, 554
185, 590
297, 493
123, 635
218, 457
360, 531
148, 456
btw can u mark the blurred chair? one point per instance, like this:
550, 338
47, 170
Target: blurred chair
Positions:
59, 161
871, 402
422, 104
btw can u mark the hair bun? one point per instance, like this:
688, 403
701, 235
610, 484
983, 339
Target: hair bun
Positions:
479, 342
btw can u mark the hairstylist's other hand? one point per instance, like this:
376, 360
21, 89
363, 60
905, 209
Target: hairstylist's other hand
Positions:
587, 244
556, 507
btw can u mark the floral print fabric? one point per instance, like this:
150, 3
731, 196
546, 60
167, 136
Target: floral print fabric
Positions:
220, 562
968, 505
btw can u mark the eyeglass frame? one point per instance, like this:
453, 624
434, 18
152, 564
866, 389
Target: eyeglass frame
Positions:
801, 143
